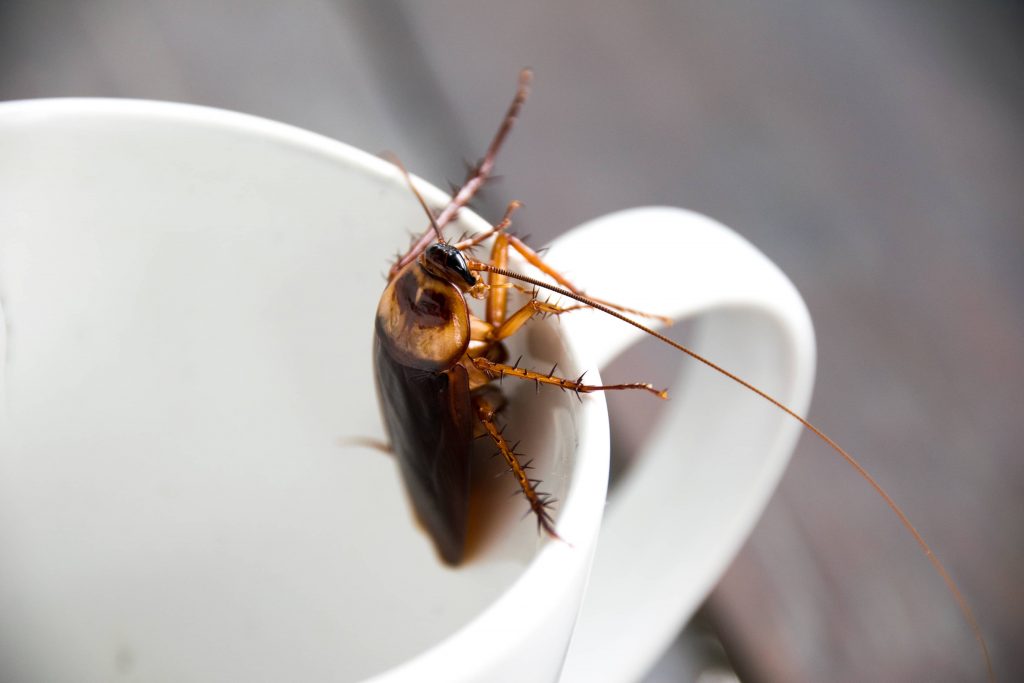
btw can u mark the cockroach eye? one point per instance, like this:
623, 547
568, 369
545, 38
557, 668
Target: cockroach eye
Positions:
445, 261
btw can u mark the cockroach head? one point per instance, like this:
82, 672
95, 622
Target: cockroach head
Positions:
446, 262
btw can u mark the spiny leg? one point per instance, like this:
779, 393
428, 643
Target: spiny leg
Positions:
485, 331
471, 242
497, 285
477, 177
367, 442
499, 370
534, 306
539, 501
534, 259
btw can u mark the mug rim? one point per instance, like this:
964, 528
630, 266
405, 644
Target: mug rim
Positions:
557, 568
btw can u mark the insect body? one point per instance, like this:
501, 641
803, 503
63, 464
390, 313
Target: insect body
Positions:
435, 362
422, 335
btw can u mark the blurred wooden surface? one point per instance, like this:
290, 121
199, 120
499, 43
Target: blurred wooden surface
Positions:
872, 149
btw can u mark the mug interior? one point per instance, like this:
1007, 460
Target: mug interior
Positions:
188, 300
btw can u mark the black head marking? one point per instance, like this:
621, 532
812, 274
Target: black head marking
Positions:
444, 260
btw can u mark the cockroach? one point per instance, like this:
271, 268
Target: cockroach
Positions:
436, 363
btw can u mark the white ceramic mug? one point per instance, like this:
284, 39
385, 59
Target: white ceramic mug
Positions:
187, 297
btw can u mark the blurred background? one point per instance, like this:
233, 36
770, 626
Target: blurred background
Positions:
871, 148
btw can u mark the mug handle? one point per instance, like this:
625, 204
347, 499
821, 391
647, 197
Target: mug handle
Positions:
719, 449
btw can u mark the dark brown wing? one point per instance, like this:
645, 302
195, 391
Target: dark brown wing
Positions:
428, 417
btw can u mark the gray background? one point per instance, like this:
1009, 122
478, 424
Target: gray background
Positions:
871, 148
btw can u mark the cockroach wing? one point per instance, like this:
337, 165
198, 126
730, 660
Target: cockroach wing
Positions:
428, 417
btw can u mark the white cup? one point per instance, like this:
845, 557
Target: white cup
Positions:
187, 297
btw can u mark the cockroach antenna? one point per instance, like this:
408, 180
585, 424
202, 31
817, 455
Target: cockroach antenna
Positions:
408, 181
940, 569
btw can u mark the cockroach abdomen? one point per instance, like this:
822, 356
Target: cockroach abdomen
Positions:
429, 420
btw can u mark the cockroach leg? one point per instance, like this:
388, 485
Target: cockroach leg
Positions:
479, 329
479, 175
498, 323
499, 259
515, 321
497, 293
574, 385
367, 442
497, 285
534, 259
471, 242
539, 501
